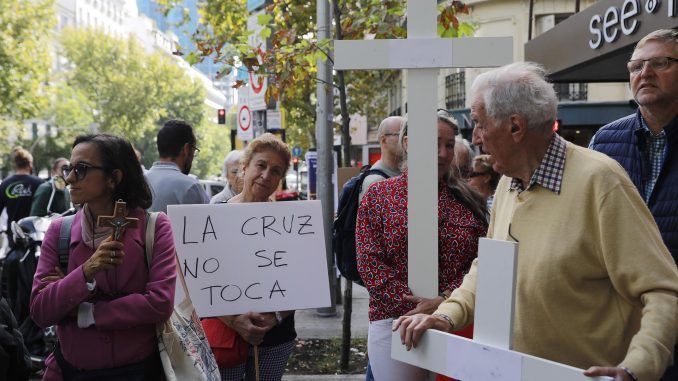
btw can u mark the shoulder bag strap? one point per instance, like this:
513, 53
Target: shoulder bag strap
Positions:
151, 219
64, 243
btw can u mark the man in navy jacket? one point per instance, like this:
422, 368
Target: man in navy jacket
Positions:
646, 143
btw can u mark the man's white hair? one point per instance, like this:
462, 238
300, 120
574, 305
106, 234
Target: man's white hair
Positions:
519, 88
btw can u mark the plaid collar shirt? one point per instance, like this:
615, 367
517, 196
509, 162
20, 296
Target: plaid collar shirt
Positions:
654, 157
549, 174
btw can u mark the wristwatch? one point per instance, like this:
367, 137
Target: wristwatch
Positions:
278, 317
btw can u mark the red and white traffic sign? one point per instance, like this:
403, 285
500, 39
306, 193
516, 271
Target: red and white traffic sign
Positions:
245, 129
258, 84
244, 118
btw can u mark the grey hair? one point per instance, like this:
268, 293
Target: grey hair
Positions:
391, 120
661, 35
519, 88
465, 143
233, 157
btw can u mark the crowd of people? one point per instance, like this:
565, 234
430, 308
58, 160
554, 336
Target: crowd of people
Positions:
597, 282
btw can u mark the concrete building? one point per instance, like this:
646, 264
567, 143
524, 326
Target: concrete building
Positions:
107, 15
588, 98
121, 18
182, 21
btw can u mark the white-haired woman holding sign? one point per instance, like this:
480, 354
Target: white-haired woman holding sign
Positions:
268, 338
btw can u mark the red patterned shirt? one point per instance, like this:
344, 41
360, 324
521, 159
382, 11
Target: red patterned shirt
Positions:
381, 244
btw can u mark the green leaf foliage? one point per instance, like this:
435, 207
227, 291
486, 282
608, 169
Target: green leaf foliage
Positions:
294, 50
25, 57
115, 86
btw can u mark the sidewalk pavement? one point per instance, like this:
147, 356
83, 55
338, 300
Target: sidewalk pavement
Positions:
310, 325
325, 377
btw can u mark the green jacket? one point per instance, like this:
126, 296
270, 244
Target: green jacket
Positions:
60, 203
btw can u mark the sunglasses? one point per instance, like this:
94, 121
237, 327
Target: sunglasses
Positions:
476, 174
80, 170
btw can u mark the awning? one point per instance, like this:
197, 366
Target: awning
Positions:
595, 44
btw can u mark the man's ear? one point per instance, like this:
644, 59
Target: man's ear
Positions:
518, 126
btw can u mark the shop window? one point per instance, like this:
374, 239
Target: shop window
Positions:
571, 91
455, 90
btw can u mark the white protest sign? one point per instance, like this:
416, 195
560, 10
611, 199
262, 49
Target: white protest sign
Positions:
263, 257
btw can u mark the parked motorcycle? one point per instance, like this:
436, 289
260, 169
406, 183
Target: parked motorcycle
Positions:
18, 272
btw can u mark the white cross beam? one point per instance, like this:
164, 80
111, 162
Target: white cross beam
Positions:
422, 54
488, 356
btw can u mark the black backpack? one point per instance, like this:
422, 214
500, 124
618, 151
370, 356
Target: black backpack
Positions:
15, 361
343, 228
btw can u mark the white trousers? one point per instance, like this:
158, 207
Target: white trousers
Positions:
384, 368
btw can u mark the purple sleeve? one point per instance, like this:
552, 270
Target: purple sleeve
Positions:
52, 302
156, 304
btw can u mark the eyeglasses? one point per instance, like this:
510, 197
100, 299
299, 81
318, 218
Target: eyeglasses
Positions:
80, 170
391, 134
476, 174
195, 150
656, 63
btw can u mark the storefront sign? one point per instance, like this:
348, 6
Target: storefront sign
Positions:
616, 20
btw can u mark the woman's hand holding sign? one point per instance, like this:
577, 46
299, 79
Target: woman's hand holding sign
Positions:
251, 326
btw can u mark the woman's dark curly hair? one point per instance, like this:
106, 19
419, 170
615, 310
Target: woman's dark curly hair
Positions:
117, 153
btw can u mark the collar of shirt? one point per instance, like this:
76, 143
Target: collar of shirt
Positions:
648, 132
549, 174
165, 165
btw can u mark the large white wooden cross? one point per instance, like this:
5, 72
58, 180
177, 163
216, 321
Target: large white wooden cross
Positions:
423, 54
488, 357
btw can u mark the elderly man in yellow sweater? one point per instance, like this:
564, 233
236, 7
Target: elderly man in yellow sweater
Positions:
596, 286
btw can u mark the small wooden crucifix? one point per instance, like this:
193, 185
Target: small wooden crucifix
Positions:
118, 221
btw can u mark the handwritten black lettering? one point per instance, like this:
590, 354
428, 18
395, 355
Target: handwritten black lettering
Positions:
305, 224
213, 268
242, 229
248, 288
187, 270
276, 288
291, 223
210, 288
270, 262
184, 235
268, 226
205, 232
276, 257
234, 299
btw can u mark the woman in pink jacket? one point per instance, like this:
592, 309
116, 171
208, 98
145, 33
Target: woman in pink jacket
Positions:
108, 300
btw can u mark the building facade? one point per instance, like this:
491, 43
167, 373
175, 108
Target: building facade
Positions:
586, 102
